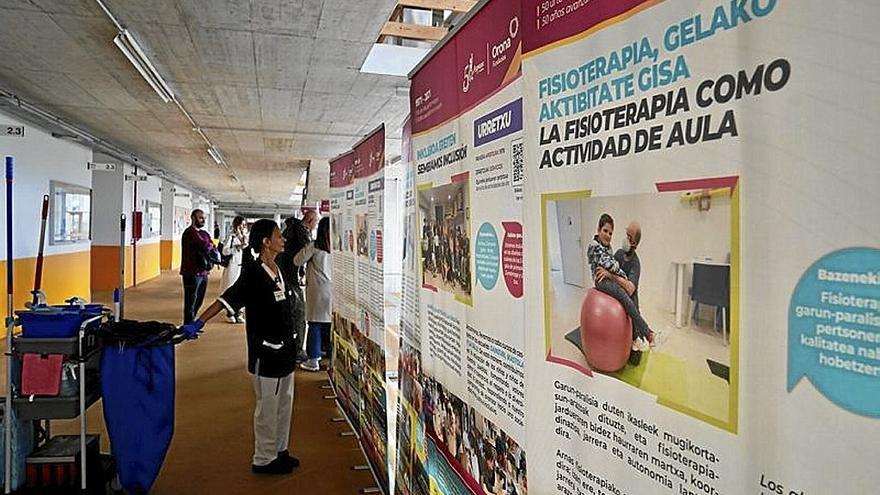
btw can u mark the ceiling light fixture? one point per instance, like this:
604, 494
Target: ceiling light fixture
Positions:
133, 52
215, 154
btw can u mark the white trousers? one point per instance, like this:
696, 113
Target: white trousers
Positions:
272, 417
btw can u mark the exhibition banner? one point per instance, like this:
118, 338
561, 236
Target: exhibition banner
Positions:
345, 369
411, 475
701, 285
462, 414
357, 189
369, 202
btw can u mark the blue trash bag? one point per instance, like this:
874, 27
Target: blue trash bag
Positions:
138, 388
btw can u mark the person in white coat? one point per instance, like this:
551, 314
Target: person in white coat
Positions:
233, 248
319, 291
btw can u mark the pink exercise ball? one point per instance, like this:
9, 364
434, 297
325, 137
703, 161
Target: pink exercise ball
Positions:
606, 331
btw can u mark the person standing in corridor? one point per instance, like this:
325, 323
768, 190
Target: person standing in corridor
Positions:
233, 249
319, 292
275, 317
197, 250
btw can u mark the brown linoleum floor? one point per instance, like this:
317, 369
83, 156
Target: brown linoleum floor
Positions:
213, 440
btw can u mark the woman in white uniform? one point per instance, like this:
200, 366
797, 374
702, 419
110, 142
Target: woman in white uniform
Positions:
233, 247
319, 292
275, 317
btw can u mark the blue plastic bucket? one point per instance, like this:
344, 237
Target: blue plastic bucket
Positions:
93, 309
50, 324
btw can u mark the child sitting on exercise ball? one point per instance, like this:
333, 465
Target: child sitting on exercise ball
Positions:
599, 255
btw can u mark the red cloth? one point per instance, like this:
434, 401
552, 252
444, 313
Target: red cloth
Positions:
41, 374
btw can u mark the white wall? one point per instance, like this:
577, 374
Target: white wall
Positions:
39, 158
671, 230
107, 203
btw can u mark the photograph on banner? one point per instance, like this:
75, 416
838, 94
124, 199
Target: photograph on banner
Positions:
409, 377
336, 233
444, 213
345, 371
373, 418
412, 474
637, 286
485, 458
362, 235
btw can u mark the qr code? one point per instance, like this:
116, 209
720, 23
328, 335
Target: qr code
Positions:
517, 161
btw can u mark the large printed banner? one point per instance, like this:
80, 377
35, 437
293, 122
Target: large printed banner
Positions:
357, 190
701, 174
462, 414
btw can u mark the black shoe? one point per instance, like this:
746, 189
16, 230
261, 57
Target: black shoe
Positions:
277, 466
635, 357
285, 456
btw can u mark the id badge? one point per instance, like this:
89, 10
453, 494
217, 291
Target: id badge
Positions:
279, 295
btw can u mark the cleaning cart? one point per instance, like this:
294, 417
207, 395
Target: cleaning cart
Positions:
56, 375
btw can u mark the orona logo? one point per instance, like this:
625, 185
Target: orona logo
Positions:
500, 48
512, 29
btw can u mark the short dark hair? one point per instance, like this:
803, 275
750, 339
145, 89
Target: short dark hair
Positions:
262, 229
197, 210
605, 219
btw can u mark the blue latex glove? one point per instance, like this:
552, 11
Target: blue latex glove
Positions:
192, 330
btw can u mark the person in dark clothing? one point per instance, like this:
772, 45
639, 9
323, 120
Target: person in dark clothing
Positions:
275, 316
296, 236
196, 248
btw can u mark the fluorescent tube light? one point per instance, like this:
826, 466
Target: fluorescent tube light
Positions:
133, 52
215, 154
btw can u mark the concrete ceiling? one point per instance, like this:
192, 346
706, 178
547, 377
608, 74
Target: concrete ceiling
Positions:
272, 83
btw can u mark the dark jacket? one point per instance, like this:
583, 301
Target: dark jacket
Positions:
296, 236
195, 244
272, 325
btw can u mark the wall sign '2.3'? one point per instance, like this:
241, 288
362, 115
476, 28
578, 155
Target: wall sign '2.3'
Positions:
12, 130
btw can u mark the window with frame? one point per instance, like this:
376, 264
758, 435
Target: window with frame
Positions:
71, 213
153, 221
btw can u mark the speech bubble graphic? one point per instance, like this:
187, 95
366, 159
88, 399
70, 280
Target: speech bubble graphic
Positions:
834, 329
487, 256
512, 258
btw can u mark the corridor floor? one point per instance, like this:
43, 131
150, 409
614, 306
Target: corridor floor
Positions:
213, 439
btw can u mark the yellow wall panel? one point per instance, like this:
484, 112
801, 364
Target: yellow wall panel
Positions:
64, 276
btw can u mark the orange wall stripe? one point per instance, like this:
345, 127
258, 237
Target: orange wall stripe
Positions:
169, 255
64, 276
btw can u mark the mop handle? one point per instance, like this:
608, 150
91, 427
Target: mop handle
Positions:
7, 410
38, 274
9, 168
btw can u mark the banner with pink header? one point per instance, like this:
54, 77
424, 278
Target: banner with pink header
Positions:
461, 422
357, 190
